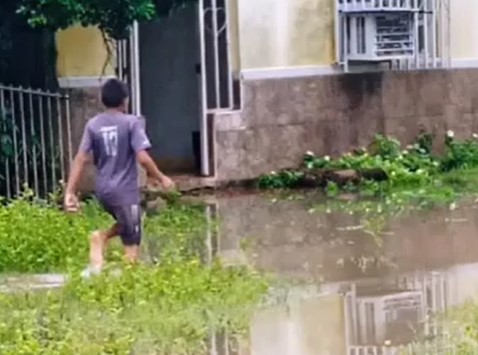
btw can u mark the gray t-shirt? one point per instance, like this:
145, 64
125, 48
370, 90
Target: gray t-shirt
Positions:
113, 140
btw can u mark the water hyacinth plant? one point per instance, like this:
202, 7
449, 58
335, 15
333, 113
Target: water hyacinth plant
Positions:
414, 166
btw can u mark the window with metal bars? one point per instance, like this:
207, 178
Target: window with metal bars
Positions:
406, 34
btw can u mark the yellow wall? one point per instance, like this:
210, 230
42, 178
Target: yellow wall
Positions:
81, 53
289, 33
234, 35
464, 29
267, 34
286, 33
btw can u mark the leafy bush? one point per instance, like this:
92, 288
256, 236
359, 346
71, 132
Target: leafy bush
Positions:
36, 236
281, 180
170, 309
412, 167
166, 308
460, 155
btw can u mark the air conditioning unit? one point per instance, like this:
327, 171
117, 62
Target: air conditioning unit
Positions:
374, 31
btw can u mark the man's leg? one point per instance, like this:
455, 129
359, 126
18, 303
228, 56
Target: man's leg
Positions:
130, 231
131, 253
98, 242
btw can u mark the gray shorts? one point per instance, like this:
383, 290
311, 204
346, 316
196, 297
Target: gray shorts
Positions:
128, 218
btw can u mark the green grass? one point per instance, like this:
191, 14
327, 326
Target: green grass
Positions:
170, 309
168, 304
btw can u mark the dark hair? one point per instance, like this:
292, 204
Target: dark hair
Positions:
113, 93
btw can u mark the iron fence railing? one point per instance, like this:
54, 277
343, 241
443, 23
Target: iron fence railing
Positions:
35, 140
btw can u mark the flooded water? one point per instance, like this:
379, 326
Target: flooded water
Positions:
353, 283
361, 290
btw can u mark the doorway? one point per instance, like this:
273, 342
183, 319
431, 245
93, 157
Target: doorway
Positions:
169, 57
179, 72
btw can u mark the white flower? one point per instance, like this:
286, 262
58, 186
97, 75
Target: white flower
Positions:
450, 134
453, 207
409, 147
327, 158
405, 152
387, 343
273, 173
309, 153
475, 136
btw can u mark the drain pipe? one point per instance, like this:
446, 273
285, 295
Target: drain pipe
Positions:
205, 169
135, 70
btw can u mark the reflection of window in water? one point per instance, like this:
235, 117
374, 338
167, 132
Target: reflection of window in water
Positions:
223, 343
395, 315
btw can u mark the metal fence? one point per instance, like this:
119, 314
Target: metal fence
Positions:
35, 140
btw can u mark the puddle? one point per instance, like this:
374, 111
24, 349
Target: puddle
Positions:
30, 282
357, 290
374, 293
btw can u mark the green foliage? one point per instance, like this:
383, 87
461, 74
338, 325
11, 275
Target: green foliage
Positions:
36, 236
113, 17
169, 309
169, 306
12, 157
460, 155
413, 167
282, 180
176, 233
462, 328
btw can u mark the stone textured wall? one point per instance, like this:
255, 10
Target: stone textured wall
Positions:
284, 118
84, 104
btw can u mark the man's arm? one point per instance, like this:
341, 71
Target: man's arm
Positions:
140, 144
77, 168
152, 170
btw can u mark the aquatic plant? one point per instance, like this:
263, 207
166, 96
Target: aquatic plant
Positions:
381, 167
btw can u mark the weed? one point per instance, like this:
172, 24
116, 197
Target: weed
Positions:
168, 306
171, 309
412, 171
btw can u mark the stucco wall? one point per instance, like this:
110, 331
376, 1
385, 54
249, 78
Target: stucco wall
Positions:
282, 119
81, 53
464, 29
285, 33
292, 33
267, 34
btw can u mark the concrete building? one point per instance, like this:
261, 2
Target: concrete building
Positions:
244, 87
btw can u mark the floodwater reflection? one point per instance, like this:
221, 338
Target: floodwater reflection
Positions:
352, 283
355, 292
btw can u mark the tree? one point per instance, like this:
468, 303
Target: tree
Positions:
27, 28
113, 17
